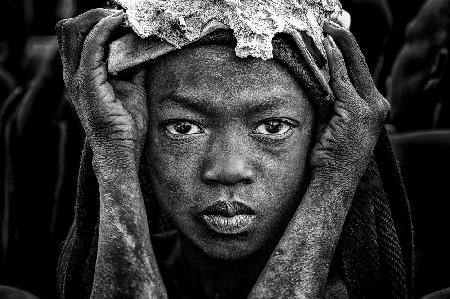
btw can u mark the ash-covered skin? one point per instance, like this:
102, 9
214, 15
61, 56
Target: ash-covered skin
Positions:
254, 23
114, 116
228, 155
301, 261
113, 113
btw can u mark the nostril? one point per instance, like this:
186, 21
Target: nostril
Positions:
247, 181
228, 174
224, 179
209, 181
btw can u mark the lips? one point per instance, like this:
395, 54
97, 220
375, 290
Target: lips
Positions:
228, 218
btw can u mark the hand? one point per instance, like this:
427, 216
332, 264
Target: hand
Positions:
347, 142
112, 110
299, 266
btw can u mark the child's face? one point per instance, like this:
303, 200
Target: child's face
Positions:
229, 141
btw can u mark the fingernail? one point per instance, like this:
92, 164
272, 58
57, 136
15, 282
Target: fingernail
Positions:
326, 42
116, 14
334, 24
331, 41
328, 49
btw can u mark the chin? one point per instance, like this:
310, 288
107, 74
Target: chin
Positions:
252, 243
229, 249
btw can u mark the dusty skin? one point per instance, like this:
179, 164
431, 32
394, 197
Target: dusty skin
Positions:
114, 116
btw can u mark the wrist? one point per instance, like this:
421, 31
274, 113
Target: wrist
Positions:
115, 156
343, 172
111, 167
344, 179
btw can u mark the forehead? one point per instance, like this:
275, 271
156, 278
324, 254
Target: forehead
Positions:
213, 73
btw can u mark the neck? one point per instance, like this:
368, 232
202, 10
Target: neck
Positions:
213, 278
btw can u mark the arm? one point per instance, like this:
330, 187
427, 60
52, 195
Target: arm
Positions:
113, 112
125, 265
299, 266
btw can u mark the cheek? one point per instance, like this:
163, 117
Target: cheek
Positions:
176, 169
285, 181
174, 172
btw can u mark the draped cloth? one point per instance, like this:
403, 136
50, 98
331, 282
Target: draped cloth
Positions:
374, 253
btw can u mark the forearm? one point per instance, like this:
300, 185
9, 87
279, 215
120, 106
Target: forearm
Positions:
126, 266
299, 266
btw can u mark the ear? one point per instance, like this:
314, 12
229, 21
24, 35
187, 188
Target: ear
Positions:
438, 69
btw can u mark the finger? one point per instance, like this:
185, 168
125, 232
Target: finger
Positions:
340, 82
71, 34
93, 50
356, 64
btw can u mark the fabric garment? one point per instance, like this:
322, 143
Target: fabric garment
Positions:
374, 254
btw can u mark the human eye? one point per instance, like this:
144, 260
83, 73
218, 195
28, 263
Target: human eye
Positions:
274, 128
182, 128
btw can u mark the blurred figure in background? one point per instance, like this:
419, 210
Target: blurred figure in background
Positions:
39, 150
371, 24
419, 91
7, 81
420, 81
402, 14
11, 46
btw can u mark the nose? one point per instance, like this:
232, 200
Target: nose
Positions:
229, 163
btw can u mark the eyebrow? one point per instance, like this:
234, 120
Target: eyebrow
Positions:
202, 106
188, 103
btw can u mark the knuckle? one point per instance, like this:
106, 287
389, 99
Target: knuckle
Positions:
386, 105
62, 31
100, 11
59, 27
98, 31
69, 27
100, 25
383, 108
380, 103
81, 24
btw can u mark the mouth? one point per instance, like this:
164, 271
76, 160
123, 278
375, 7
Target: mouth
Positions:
228, 218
